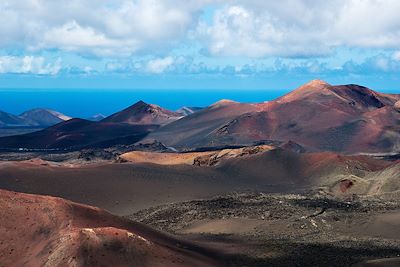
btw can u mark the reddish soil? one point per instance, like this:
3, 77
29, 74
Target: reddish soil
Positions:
345, 185
47, 231
317, 116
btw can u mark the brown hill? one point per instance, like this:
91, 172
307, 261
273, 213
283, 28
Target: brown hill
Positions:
47, 231
184, 111
122, 128
316, 116
143, 113
263, 165
195, 130
325, 117
125, 127
125, 188
204, 158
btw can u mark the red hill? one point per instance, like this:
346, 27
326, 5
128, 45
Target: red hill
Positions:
196, 130
317, 116
47, 231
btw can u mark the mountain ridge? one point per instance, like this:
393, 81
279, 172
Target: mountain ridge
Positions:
143, 113
316, 115
43, 117
38, 117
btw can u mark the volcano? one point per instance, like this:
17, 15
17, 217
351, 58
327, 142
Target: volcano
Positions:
125, 127
43, 117
77, 134
195, 130
143, 113
317, 116
7, 119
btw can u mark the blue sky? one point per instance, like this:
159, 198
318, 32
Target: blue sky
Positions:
198, 45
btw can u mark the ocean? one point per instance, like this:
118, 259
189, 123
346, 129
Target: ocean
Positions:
87, 102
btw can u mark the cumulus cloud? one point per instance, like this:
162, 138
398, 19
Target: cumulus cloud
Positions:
73, 37
379, 64
29, 65
118, 28
396, 56
194, 36
300, 27
238, 28
159, 65
153, 65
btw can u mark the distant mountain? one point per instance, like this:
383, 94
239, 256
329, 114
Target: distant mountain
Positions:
78, 133
7, 119
43, 117
122, 128
223, 102
316, 116
188, 110
97, 117
32, 118
143, 113
194, 130
346, 118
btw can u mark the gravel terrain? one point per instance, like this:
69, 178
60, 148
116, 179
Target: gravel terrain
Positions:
258, 229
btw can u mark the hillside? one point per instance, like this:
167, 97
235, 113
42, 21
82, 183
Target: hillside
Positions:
143, 113
317, 116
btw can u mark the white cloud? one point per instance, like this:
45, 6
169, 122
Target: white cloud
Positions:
300, 27
245, 28
153, 65
238, 31
29, 65
396, 56
117, 28
159, 65
73, 37
382, 64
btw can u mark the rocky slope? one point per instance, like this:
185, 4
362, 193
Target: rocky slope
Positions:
143, 113
43, 117
47, 231
317, 116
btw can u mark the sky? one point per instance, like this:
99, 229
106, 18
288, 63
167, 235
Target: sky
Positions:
198, 44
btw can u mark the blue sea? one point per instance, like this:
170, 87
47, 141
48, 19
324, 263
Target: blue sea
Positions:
87, 102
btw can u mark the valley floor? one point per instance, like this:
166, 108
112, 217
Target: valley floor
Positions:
273, 208
287, 230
